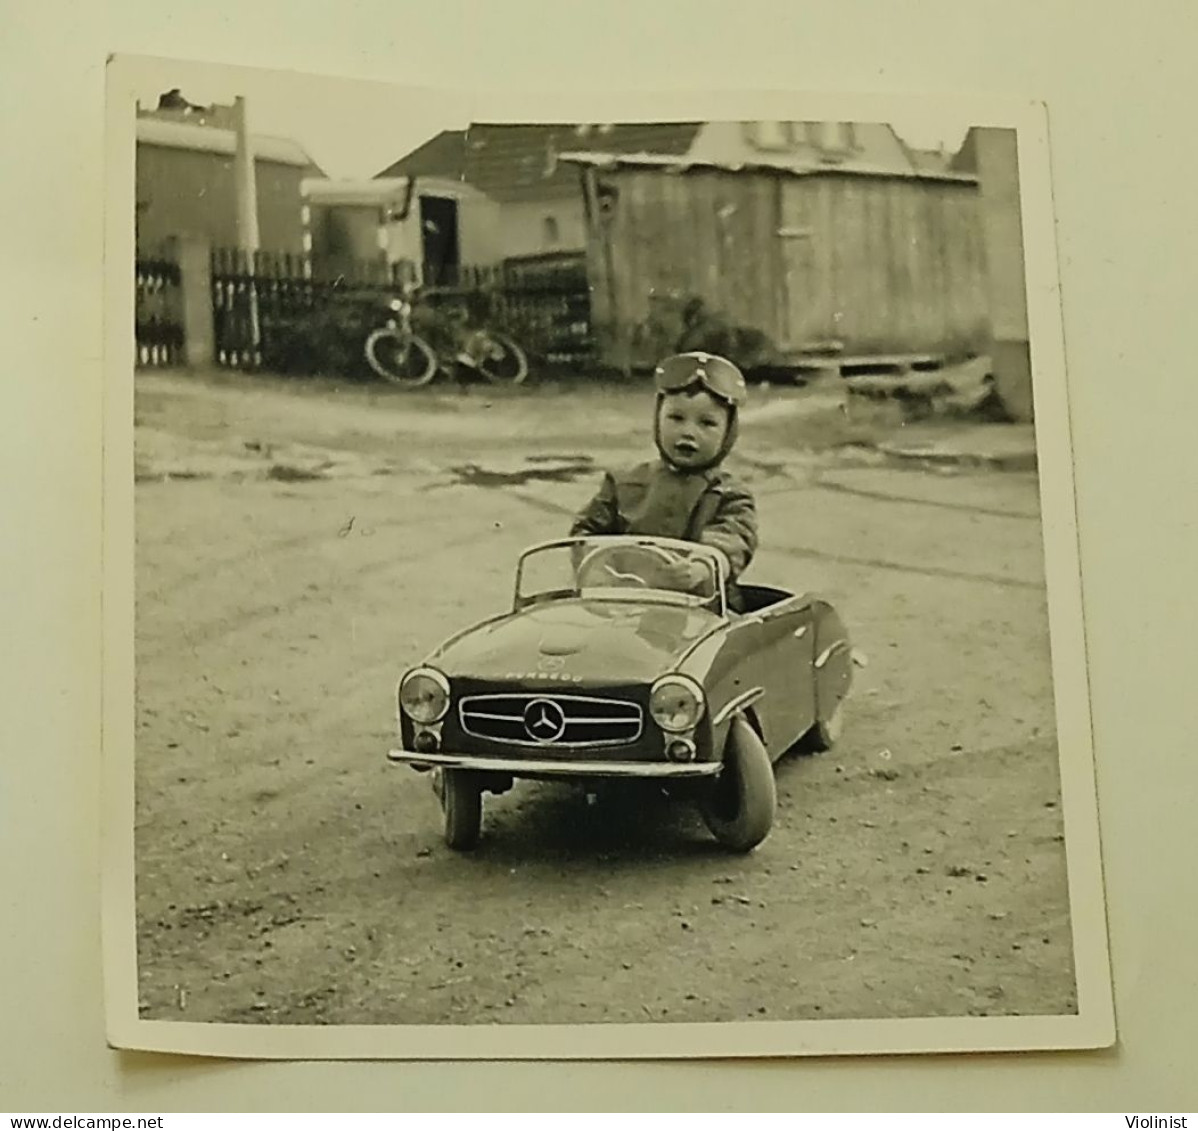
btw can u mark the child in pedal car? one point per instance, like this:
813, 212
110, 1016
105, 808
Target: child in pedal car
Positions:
685, 493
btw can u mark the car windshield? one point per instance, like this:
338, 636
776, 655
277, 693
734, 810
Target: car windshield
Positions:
620, 568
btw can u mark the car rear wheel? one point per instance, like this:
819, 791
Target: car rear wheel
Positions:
462, 806
739, 809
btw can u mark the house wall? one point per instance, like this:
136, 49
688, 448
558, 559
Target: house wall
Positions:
280, 224
997, 163
523, 227
479, 230
881, 264
861, 144
182, 192
876, 264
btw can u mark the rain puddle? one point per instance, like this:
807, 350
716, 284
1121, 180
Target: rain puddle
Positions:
542, 469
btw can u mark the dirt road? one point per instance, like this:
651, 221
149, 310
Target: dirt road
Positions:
298, 546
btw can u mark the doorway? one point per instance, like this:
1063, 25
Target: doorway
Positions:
440, 247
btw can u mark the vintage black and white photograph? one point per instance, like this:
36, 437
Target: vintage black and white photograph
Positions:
591, 574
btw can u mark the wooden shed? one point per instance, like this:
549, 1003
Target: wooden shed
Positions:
851, 261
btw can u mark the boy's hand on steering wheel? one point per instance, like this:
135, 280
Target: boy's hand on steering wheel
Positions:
685, 574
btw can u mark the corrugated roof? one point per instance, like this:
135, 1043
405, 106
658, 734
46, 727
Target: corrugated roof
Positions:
207, 139
765, 162
511, 162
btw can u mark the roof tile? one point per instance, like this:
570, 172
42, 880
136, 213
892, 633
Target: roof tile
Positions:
511, 162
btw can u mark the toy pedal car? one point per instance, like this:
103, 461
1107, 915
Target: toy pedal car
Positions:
604, 669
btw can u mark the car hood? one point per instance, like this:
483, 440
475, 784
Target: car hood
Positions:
577, 641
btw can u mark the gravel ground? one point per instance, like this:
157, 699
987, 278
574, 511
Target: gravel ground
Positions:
297, 546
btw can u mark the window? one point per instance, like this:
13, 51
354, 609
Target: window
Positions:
832, 137
770, 135
550, 230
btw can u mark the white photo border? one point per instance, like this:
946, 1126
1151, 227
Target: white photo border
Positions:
1091, 1027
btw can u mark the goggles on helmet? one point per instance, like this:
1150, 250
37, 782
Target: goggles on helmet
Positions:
716, 374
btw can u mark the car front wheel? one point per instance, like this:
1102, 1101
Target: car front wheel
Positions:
739, 809
462, 807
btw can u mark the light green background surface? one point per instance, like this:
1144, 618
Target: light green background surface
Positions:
1118, 84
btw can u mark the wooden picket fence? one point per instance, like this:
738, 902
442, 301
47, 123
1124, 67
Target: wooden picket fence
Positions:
158, 316
542, 302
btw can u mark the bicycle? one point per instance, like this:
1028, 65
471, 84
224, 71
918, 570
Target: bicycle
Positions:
396, 352
401, 356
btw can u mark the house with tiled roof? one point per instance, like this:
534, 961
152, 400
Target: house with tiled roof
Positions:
538, 199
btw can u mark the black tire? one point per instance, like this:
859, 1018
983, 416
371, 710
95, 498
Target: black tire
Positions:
462, 807
500, 360
409, 366
739, 808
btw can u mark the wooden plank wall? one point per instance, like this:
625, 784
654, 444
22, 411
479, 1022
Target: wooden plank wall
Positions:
880, 265
709, 234
898, 265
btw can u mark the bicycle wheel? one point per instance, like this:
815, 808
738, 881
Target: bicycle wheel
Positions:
409, 363
499, 358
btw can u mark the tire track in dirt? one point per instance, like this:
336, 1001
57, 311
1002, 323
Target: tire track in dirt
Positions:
197, 633
819, 481
900, 567
344, 725
271, 547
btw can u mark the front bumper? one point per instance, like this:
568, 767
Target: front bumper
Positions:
547, 767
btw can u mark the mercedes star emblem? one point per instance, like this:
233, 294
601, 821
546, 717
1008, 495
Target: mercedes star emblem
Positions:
544, 720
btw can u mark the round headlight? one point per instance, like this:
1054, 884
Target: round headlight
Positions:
424, 695
676, 703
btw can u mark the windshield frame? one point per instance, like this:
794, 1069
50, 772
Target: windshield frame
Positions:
718, 602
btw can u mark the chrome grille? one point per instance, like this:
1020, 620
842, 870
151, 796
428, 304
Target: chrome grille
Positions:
528, 719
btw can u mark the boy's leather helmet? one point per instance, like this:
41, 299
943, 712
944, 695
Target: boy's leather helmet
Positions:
693, 371
717, 375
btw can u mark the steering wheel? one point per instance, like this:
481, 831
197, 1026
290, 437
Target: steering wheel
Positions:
623, 565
